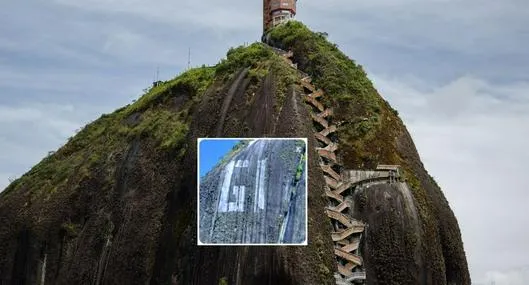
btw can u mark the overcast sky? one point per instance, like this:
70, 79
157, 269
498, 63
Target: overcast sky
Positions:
457, 71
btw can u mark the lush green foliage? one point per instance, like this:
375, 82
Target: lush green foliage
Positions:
223, 281
164, 126
332, 70
240, 57
97, 143
340, 77
193, 81
301, 166
365, 120
286, 77
71, 229
261, 60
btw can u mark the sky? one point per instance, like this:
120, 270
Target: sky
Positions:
457, 71
211, 152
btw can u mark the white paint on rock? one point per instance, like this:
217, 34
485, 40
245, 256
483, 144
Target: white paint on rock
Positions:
241, 198
238, 204
242, 163
259, 194
262, 185
225, 191
256, 193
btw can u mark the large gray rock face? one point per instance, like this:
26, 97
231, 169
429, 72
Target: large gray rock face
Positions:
117, 204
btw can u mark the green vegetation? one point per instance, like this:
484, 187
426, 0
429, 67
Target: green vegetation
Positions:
71, 229
299, 169
252, 56
240, 145
158, 123
318, 246
262, 61
151, 117
331, 70
300, 143
223, 281
192, 82
164, 126
286, 77
356, 102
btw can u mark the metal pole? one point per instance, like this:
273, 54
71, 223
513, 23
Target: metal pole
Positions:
189, 59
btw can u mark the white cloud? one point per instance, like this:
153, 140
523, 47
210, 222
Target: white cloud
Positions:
28, 133
473, 136
460, 25
52, 119
508, 277
435, 40
194, 14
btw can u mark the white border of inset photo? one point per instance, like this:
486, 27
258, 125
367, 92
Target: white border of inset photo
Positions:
304, 243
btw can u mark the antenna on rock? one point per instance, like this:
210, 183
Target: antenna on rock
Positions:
156, 80
189, 59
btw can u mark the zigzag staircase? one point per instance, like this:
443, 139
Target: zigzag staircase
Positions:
347, 233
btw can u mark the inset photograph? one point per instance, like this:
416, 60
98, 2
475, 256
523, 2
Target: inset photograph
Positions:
252, 191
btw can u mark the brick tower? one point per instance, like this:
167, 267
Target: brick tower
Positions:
276, 12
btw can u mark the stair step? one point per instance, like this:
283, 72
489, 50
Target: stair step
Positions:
288, 60
315, 103
320, 120
342, 187
328, 112
333, 183
339, 217
342, 206
332, 147
355, 243
329, 130
348, 256
343, 234
347, 269
328, 169
333, 195
327, 154
308, 86
306, 79
316, 94
322, 138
